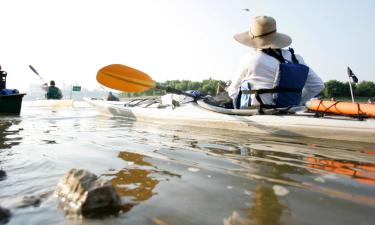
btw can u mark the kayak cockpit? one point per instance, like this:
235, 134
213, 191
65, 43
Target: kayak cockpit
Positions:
206, 104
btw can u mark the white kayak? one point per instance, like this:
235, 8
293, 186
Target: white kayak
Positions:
202, 114
53, 103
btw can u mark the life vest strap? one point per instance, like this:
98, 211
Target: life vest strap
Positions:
271, 90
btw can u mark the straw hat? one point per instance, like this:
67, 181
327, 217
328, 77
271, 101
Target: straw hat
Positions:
263, 34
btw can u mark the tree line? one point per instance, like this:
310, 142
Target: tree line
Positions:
333, 88
205, 87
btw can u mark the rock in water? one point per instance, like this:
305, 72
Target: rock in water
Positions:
2, 175
81, 192
29, 201
4, 215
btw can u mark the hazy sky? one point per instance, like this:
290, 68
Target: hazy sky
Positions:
70, 40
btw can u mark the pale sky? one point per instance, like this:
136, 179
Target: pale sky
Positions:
70, 40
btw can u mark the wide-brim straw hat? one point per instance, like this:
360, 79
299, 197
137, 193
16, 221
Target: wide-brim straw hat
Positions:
263, 34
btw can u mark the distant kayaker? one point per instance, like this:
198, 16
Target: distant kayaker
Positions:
271, 76
53, 92
111, 97
3, 76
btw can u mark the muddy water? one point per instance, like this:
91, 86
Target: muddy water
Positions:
179, 175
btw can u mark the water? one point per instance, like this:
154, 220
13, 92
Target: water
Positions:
180, 175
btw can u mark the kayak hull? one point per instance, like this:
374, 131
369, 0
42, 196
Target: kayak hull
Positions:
53, 103
299, 125
11, 104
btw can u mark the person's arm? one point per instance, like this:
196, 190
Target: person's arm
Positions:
313, 86
44, 87
59, 93
239, 76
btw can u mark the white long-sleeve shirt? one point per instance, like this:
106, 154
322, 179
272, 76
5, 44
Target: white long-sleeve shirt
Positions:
260, 70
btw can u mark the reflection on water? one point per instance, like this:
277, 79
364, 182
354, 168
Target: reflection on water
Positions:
179, 175
360, 172
8, 133
266, 208
135, 183
8, 138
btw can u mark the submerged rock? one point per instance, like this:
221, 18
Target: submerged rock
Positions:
4, 215
29, 201
81, 192
2, 174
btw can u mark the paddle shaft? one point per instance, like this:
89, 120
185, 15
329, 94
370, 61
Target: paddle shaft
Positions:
174, 91
36, 72
44, 82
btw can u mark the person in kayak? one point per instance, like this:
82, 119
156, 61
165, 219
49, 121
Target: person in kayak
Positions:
271, 76
111, 97
3, 76
53, 92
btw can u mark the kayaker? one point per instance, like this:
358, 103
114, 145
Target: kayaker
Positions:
53, 92
3, 76
258, 81
111, 97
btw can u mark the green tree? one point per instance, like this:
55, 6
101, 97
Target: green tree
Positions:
346, 89
366, 89
334, 88
206, 87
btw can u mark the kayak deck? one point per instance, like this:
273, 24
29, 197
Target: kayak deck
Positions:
299, 125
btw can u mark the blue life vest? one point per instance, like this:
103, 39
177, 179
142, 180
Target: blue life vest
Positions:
289, 82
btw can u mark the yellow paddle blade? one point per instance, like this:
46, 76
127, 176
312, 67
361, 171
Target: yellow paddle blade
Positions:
124, 78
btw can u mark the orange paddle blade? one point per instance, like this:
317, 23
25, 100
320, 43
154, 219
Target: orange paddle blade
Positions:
124, 78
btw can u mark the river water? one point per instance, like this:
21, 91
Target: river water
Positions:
167, 174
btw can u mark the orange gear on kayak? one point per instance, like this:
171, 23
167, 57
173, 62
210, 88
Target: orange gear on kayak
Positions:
342, 108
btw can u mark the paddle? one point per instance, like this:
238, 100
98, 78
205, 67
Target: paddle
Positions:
124, 78
36, 72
